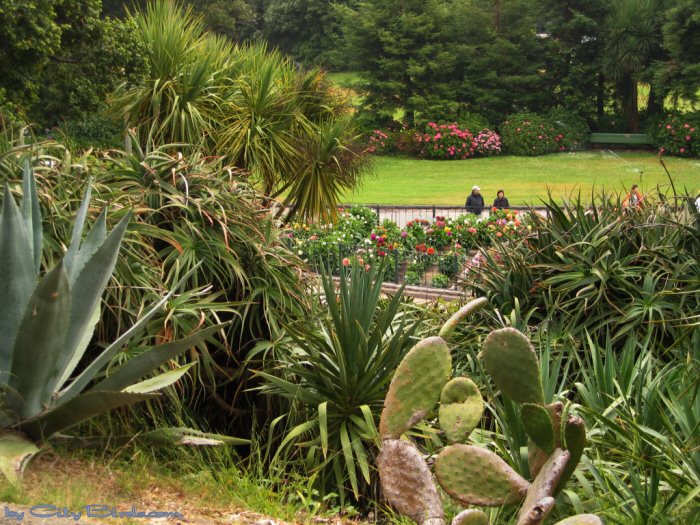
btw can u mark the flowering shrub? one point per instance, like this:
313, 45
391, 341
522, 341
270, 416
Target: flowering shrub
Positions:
443, 141
395, 138
529, 134
677, 135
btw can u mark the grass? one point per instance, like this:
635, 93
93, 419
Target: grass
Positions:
525, 180
199, 484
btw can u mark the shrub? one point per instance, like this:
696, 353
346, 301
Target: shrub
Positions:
529, 134
440, 281
443, 141
92, 132
412, 278
676, 134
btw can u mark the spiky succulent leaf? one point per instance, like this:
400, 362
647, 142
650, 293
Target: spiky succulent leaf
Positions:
160, 381
79, 383
512, 363
477, 476
77, 234
77, 410
16, 451
150, 360
31, 213
161, 437
86, 292
17, 279
407, 481
461, 408
38, 345
415, 387
471, 307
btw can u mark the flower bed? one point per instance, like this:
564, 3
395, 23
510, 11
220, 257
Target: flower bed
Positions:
417, 252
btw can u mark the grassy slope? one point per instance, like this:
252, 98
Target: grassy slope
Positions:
524, 179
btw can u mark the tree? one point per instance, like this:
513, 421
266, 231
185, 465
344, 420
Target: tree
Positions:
633, 41
59, 59
403, 52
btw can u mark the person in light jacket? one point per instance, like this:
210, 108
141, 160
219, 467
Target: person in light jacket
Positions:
501, 202
475, 202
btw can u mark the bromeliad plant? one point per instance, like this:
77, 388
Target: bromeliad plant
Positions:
46, 327
471, 474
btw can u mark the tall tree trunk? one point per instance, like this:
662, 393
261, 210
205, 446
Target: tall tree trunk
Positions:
655, 104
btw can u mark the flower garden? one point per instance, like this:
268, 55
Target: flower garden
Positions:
431, 252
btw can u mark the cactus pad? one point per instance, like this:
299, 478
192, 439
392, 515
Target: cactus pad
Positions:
538, 457
461, 408
575, 436
512, 363
408, 483
538, 512
468, 309
470, 517
581, 519
544, 484
538, 426
476, 476
415, 388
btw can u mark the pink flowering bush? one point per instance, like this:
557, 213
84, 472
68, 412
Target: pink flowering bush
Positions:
677, 135
449, 142
530, 134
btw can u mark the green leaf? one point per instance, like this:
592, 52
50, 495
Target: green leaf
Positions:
86, 291
347, 454
39, 343
77, 234
162, 437
31, 213
150, 360
17, 279
160, 381
323, 426
16, 451
87, 375
77, 410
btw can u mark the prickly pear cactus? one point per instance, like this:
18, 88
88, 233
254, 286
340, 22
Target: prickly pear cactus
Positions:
470, 474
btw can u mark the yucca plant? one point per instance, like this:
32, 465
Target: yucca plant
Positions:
46, 327
336, 377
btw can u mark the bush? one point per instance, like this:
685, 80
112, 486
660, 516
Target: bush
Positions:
529, 134
92, 132
676, 134
440, 281
444, 141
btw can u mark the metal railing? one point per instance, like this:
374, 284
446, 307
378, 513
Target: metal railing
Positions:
402, 214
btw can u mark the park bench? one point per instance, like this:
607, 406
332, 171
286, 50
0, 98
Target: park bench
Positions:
619, 138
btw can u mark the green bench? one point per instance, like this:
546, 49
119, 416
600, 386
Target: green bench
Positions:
619, 138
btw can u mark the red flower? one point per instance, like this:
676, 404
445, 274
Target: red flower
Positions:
431, 251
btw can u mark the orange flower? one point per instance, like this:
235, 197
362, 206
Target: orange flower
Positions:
430, 251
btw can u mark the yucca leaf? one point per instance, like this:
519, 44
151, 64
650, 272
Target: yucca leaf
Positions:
160, 381
38, 345
360, 454
16, 451
347, 455
17, 279
31, 213
323, 426
150, 360
86, 292
78, 409
87, 375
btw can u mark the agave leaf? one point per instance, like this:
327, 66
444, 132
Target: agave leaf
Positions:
87, 375
77, 410
16, 451
31, 213
161, 437
151, 359
86, 292
93, 240
78, 227
17, 280
38, 345
160, 381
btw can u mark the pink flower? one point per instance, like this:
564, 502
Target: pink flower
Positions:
472, 230
687, 137
367, 268
346, 261
682, 150
686, 126
668, 127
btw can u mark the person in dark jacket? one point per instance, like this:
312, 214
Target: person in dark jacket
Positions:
501, 202
475, 202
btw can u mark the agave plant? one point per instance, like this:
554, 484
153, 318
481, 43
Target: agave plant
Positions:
46, 327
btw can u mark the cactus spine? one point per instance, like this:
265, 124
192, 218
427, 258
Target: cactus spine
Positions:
471, 474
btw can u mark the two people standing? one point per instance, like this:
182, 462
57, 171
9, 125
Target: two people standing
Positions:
475, 201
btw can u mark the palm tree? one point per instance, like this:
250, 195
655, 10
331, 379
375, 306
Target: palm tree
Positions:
633, 41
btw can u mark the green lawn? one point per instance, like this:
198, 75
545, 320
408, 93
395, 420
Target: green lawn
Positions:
398, 180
